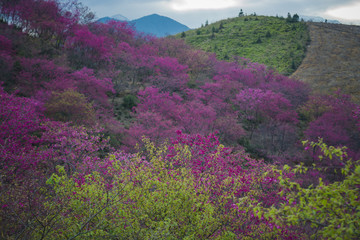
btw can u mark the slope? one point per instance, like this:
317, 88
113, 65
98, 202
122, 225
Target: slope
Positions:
273, 41
333, 59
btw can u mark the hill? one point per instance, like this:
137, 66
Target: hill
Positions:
159, 26
272, 41
333, 59
177, 169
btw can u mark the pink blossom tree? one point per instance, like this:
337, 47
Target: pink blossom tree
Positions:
269, 119
86, 49
331, 118
31, 148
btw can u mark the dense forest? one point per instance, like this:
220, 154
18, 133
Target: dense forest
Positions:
106, 133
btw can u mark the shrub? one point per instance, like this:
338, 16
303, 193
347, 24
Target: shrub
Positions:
70, 106
331, 210
130, 101
136, 200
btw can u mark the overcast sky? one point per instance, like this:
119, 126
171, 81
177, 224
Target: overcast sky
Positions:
193, 13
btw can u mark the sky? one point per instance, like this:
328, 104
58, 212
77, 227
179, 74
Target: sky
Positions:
194, 13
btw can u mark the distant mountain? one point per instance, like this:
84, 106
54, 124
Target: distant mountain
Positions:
317, 19
154, 24
106, 19
120, 17
159, 26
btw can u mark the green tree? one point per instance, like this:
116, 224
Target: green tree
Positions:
138, 200
130, 101
213, 29
332, 210
241, 13
221, 26
295, 17
288, 18
268, 34
258, 40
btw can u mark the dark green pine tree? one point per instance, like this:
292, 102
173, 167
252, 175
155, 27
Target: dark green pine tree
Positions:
241, 13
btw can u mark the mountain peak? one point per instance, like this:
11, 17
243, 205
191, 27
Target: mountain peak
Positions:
154, 15
158, 25
120, 17
154, 24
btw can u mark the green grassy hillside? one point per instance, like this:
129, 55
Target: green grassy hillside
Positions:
272, 41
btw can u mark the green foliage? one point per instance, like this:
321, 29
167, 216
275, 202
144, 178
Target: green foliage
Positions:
295, 17
258, 40
293, 65
70, 106
138, 200
333, 209
268, 34
130, 101
241, 13
289, 18
238, 35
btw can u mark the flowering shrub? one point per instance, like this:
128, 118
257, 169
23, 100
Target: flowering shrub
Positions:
31, 147
191, 188
142, 200
60, 178
331, 118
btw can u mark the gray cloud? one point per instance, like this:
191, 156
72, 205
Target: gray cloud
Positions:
133, 9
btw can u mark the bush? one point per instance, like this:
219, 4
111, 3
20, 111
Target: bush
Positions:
70, 106
130, 101
332, 210
135, 200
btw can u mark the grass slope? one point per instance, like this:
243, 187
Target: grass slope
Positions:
333, 59
269, 40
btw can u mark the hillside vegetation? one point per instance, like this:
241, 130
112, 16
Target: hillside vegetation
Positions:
109, 134
273, 41
332, 61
